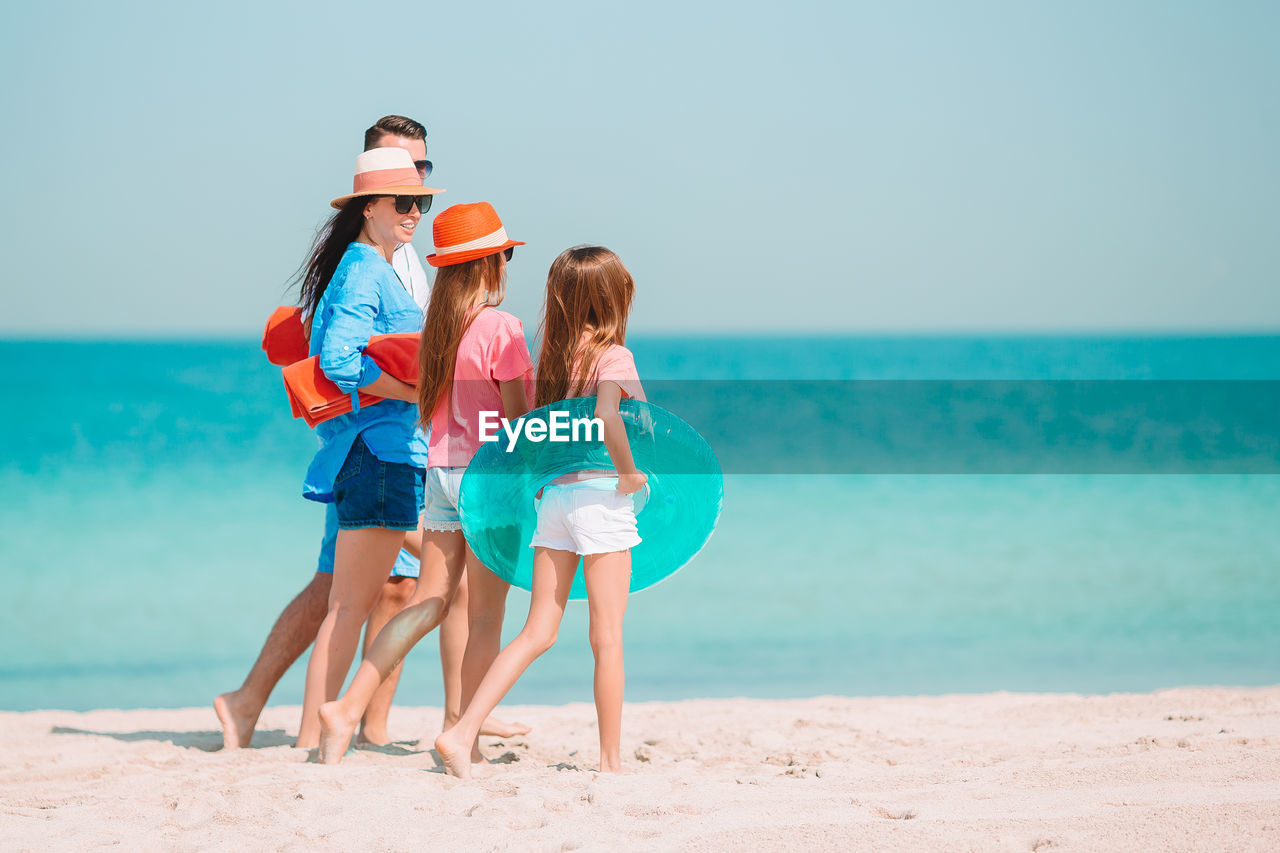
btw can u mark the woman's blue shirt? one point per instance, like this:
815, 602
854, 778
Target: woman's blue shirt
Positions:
364, 298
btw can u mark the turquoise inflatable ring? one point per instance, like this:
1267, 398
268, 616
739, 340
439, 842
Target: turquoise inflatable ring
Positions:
685, 491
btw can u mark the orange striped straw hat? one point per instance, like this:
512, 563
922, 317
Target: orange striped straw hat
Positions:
465, 232
385, 171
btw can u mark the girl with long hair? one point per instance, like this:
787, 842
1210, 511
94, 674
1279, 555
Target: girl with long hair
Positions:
586, 516
473, 359
371, 460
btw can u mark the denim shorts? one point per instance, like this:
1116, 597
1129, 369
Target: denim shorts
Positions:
373, 493
406, 564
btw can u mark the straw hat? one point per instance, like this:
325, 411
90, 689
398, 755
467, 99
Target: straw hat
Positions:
385, 171
465, 232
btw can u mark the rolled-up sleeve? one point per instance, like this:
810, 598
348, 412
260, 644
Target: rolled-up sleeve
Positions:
342, 355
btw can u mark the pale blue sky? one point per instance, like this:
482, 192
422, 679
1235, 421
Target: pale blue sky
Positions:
879, 167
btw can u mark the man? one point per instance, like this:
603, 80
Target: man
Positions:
401, 132
296, 627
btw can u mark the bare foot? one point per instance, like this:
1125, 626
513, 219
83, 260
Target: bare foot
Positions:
452, 751
238, 720
335, 733
493, 727
373, 737
611, 764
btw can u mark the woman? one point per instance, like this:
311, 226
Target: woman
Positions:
473, 358
371, 461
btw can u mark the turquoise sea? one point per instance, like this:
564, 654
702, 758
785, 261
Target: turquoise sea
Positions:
151, 524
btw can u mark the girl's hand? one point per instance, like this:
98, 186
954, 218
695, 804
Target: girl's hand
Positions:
631, 483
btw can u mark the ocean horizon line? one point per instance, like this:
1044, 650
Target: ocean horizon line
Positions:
1162, 334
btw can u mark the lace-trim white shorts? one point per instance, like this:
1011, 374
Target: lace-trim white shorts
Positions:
440, 498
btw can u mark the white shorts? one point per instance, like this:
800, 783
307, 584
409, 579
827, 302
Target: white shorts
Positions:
440, 498
588, 517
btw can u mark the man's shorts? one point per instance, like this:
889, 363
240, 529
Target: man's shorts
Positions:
440, 503
406, 564
587, 517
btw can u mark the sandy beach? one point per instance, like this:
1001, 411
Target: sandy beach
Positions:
1187, 769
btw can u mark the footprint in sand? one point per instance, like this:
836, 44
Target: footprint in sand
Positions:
895, 813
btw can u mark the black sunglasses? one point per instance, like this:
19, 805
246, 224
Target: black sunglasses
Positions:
423, 166
405, 203
510, 250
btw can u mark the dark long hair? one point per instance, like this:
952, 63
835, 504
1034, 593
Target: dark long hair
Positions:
326, 252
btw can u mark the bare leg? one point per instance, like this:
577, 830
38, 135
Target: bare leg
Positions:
487, 605
413, 542
294, 630
453, 645
553, 572
608, 579
396, 595
362, 563
443, 562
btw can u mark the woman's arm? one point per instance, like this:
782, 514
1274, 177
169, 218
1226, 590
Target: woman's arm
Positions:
342, 357
608, 396
391, 388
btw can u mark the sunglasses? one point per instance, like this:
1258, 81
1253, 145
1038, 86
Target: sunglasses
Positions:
510, 250
423, 167
405, 203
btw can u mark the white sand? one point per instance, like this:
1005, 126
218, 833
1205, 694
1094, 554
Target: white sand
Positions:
1186, 769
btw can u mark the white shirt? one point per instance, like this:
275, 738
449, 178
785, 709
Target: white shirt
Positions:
414, 278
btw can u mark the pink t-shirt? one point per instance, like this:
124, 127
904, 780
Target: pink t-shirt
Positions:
618, 365
615, 364
493, 350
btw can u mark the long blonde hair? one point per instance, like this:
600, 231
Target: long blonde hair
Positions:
449, 315
588, 291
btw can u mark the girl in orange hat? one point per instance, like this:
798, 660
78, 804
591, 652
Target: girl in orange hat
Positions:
474, 359
586, 515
